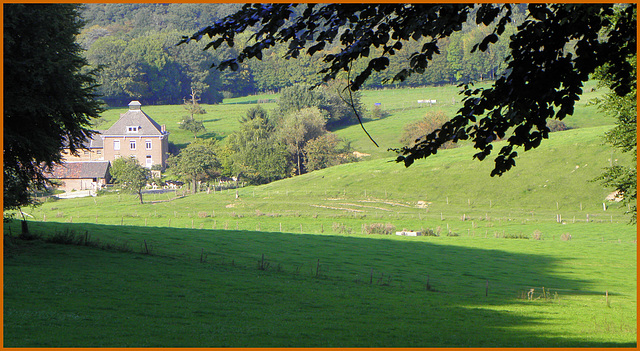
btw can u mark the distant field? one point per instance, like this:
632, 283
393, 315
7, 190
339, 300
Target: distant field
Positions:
401, 104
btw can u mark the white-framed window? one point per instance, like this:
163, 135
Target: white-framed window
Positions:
132, 144
116, 144
147, 144
99, 152
132, 129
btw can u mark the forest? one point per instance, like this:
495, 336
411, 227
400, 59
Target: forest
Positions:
133, 47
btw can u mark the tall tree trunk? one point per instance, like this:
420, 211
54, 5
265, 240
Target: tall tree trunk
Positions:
195, 183
298, 153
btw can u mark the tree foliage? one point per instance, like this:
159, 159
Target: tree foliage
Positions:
623, 136
118, 26
196, 162
49, 97
130, 176
552, 53
299, 127
255, 152
413, 132
339, 105
151, 69
325, 151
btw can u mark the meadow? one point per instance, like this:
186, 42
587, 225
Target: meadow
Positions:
535, 258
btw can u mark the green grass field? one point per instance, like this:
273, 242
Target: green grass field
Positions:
290, 264
203, 288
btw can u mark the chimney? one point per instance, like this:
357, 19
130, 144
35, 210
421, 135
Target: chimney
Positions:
134, 105
163, 128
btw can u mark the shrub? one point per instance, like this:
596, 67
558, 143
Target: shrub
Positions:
117, 246
69, 237
29, 236
431, 232
379, 228
378, 113
537, 235
555, 125
203, 214
516, 236
341, 229
66, 237
417, 130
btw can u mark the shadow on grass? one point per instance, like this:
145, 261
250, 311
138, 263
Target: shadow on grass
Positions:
211, 135
321, 291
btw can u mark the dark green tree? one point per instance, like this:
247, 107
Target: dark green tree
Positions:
130, 176
623, 136
340, 106
325, 151
299, 127
543, 78
151, 69
196, 162
49, 98
254, 152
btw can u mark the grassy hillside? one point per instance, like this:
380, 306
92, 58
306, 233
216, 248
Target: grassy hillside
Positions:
299, 263
403, 108
448, 192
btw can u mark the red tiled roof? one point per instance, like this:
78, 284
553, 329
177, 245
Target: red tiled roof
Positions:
81, 170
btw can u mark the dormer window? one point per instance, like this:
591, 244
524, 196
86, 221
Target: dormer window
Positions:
132, 129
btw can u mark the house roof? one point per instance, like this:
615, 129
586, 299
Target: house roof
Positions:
135, 117
81, 170
94, 142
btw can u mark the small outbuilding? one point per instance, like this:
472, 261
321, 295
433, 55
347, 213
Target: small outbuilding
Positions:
83, 175
409, 233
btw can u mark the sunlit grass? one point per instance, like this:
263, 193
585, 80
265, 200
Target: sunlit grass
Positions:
190, 270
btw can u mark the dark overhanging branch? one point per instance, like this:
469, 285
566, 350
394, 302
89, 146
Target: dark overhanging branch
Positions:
353, 107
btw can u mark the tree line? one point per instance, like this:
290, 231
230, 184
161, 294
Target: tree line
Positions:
134, 46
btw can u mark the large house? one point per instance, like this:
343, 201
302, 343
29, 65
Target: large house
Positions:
134, 135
